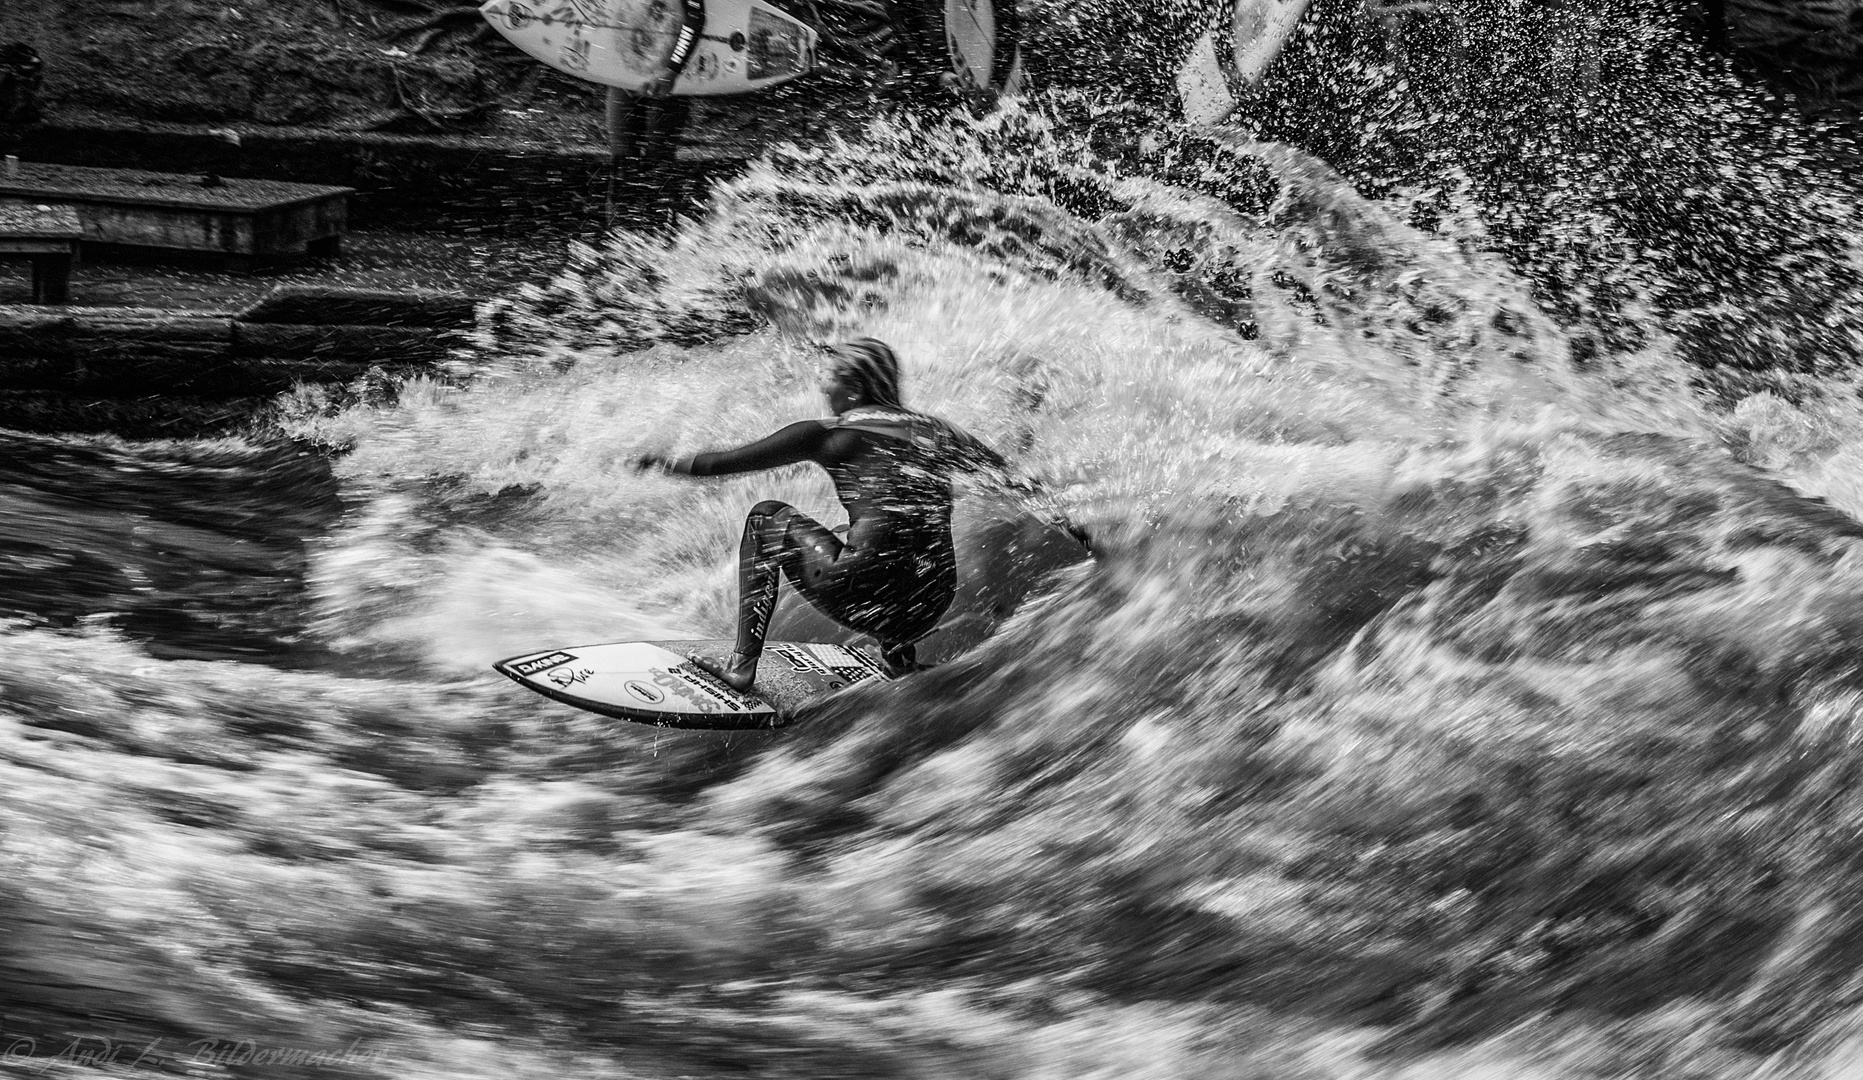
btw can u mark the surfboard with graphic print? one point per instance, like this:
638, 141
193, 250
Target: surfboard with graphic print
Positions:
656, 682
745, 44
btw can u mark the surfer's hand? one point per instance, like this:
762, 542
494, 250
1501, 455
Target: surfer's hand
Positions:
663, 461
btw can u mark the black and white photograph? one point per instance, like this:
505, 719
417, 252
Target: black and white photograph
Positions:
931, 539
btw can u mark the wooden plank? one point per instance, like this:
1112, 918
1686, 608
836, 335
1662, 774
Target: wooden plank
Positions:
10, 316
16, 246
42, 182
24, 331
175, 212
176, 229
48, 236
39, 221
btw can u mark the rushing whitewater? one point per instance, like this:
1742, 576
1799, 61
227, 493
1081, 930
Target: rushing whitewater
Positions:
1434, 705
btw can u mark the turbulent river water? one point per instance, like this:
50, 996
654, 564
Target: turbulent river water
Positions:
1450, 695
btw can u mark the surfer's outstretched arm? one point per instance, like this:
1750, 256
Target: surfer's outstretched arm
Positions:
800, 441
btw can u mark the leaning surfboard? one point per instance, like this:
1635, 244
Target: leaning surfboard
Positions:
745, 44
1229, 62
656, 682
971, 48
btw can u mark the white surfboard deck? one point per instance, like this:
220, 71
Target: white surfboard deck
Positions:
655, 682
746, 44
1202, 88
1258, 30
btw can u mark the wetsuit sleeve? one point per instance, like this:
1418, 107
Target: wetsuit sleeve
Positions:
800, 441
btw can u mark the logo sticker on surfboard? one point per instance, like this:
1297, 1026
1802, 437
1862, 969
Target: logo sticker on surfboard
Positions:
568, 677
799, 658
541, 663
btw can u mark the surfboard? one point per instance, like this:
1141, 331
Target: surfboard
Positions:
745, 45
981, 41
1229, 61
971, 47
1256, 33
656, 682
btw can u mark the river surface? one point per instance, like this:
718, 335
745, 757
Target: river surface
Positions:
1457, 690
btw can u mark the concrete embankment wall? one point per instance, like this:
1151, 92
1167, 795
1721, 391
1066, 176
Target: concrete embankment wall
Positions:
150, 371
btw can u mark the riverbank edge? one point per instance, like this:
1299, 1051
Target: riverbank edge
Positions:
441, 182
156, 372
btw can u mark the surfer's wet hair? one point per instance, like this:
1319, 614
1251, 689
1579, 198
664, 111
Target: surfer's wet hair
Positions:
868, 364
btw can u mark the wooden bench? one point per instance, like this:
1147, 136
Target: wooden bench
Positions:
48, 236
244, 221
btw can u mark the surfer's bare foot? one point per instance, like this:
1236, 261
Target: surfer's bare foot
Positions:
738, 674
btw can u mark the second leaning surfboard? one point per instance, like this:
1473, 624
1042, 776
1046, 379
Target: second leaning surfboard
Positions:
1228, 62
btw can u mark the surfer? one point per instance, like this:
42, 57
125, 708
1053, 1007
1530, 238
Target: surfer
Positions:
896, 572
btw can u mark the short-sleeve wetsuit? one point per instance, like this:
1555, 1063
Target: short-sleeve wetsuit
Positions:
896, 573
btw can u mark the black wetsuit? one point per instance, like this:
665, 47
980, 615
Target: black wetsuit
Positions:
895, 574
